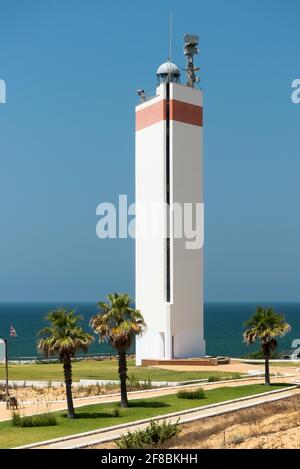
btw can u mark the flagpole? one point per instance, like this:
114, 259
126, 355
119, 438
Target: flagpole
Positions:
6, 366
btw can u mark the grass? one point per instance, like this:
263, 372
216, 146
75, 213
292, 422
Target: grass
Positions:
288, 363
108, 369
102, 415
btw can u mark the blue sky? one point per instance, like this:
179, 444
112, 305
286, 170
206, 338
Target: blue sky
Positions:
67, 141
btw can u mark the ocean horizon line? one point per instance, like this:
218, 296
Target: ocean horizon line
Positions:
72, 302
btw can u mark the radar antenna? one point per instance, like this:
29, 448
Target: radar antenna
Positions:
190, 49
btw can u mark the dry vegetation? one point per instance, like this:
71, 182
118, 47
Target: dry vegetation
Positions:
274, 425
58, 393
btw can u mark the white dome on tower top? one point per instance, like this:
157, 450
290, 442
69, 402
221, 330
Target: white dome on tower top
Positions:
168, 67
168, 72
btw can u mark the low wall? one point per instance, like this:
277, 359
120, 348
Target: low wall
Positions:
187, 361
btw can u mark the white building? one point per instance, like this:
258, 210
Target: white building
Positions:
169, 277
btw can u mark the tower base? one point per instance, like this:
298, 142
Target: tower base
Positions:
161, 346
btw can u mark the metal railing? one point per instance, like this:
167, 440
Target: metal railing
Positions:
87, 356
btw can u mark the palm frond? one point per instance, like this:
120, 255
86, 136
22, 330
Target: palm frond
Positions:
118, 322
63, 336
265, 325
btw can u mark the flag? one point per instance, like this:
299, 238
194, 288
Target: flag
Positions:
12, 331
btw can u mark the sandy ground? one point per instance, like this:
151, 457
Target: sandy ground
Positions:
274, 425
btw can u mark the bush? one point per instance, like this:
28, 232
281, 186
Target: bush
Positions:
197, 394
152, 436
213, 378
116, 412
16, 419
236, 439
39, 420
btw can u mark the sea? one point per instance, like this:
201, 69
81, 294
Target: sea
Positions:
224, 325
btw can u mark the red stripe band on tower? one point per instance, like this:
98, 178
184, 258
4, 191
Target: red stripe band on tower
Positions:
186, 112
179, 111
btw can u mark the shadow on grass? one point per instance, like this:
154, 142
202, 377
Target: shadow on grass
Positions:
108, 415
90, 415
285, 385
148, 405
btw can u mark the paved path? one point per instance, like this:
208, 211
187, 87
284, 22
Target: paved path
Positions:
103, 435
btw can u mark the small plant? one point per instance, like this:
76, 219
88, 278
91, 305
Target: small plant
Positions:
153, 435
236, 439
236, 376
213, 378
116, 412
197, 394
39, 420
16, 419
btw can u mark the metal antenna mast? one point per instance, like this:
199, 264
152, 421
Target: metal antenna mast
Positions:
191, 49
170, 36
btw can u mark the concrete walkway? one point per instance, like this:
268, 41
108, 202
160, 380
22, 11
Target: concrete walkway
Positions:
113, 433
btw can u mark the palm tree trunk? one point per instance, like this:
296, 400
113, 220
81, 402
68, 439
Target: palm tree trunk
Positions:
68, 380
267, 371
123, 378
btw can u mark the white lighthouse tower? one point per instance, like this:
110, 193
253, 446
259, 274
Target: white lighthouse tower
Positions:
169, 276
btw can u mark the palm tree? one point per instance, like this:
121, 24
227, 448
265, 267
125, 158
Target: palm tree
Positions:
64, 337
265, 325
117, 323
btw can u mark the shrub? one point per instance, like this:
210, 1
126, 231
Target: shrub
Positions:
16, 419
213, 378
236, 439
153, 435
116, 412
39, 420
197, 394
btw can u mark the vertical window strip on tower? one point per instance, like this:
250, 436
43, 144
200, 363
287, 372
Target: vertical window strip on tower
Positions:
168, 247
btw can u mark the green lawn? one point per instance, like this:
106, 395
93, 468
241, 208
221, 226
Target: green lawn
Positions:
100, 415
288, 363
87, 369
